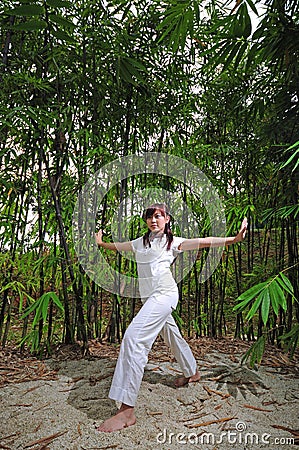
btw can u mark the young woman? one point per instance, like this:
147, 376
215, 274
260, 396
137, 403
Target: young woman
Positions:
154, 253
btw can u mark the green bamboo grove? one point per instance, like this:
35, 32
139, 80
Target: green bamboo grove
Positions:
84, 83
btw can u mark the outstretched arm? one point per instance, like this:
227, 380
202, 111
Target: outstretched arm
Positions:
195, 244
117, 246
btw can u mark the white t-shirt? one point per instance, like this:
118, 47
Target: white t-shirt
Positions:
153, 265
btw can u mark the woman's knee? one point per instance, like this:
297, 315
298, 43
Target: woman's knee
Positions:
130, 335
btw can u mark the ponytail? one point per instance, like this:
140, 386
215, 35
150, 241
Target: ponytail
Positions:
169, 235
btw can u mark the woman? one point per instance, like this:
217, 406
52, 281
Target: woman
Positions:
154, 253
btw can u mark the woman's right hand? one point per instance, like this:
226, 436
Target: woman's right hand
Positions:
98, 237
116, 246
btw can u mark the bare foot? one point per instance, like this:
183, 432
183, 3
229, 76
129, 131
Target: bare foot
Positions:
182, 381
124, 418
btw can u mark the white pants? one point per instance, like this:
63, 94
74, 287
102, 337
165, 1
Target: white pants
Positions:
153, 318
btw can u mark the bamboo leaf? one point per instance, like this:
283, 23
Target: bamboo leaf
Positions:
285, 283
61, 21
253, 55
30, 25
178, 21
248, 295
296, 144
291, 339
31, 308
125, 74
225, 51
166, 33
170, 19
246, 21
256, 305
57, 301
38, 312
129, 68
265, 306
255, 352
26, 10
23, 294
34, 340
196, 11
172, 15
14, 285
59, 3
61, 35
281, 213
134, 62
179, 35
252, 6
231, 56
278, 293
293, 156
241, 52
260, 348
274, 300
44, 308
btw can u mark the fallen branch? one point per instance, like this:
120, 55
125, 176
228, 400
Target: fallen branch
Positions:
155, 413
174, 370
219, 377
10, 436
42, 406
46, 440
212, 391
106, 448
21, 405
38, 427
210, 422
256, 408
197, 416
30, 390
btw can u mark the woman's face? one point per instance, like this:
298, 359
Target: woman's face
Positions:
156, 222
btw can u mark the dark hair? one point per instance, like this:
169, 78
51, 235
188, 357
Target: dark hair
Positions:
149, 212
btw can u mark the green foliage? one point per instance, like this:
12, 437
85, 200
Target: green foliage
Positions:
85, 83
178, 318
26, 10
291, 339
263, 295
40, 308
255, 352
264, 298
130, 70
178, 23
18, 288
294, 158
281, 213
36, 18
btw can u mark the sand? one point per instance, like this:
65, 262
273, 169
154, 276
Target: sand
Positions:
232, 407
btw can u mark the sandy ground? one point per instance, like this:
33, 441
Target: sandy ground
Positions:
232, 407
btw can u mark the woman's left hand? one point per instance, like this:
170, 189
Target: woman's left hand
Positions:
242, 233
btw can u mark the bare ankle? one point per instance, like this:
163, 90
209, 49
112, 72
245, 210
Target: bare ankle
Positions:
125, 407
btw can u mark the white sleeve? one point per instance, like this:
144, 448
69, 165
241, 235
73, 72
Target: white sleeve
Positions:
176, 243
137, 244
